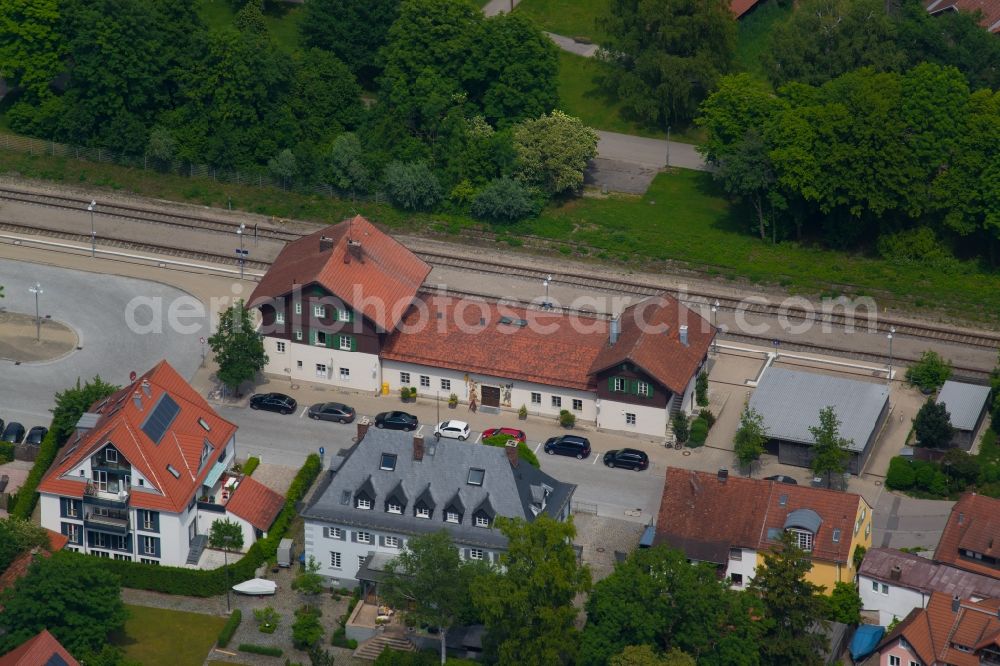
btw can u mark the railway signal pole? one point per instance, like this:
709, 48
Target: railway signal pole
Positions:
892, 331
241, 252
93, 233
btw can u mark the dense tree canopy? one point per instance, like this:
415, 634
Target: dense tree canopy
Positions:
352, 30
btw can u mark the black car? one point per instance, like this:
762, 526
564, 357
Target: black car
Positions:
627, 458
332, 411
13, 433
781, 478
273, 402
568, 445
396, 421
36, 435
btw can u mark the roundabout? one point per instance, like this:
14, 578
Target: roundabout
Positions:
23, 339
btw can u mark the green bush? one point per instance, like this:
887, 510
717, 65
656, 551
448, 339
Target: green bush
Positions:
567, 419
699, 432
266, 650
701, 389
412, 186
682, 429
523, 451
232, 624
6, 452
307, 630
340, 639
901, 475
505, 200
27, 495
708, 417
251, 465
930, 372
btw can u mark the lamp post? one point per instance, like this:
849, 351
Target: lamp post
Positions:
37, 291
93, 233
239, 232
715, 328
546, 305
668, 146
227, 539
439, 407
892, 330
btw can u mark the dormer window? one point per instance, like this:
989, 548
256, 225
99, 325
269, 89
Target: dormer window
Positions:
803, 539
393, 507
364, 503
422, 512
482, 520
451, 516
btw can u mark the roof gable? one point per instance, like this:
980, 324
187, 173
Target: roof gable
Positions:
974, 524
255, 503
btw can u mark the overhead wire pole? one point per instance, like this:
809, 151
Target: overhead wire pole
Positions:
37, 291
93, 232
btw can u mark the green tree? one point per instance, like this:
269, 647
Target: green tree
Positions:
16, 537
830, 450
527, 604
162, 145
73, 402
656, 598
505, 200
643, 655
664, 57
309, 580
553, 151
430, 583
750, 438
250, 18
283, 166
346, 167
324, 98
681, 426
412, 186
223, 529
844, 604
307, 631
930, 372
32, 47
72, 596
932, 425
791, 605
238, 350
352, 30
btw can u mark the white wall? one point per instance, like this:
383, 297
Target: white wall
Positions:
897, 602
648, 420
364, 368
746, 567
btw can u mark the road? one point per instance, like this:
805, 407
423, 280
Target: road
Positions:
648, 152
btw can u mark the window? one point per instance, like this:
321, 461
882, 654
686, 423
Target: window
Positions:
736, 554
423, 512
101, 554
803, 539
117, 542
392, 507
392, 542
298, 307
577, 405
404, 378
618, 384
146, 560
346, 343
736, 579
643, 389
475, 554
364, 503
364, 537
281, 347
629, 418
536, 398
914, 663
321, 369
893, 660
334, 560
279, 317
343, 315
70, 508
319, 311
885, 589
148, 519
110, 455
874, 586
298, 334
451, 517
482, 521
298, 364
72, 532
388, 462
868, 529
149, 545
476, 476
556, 401
334, 533
345, 374
425, 381
361, 560
836, 535
445, 384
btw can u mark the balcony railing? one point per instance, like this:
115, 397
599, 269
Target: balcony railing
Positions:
116, 521
95, 497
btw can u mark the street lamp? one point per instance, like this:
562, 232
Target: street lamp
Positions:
892, 330
37, 291
227, 539
546, 304
93, 233
239, 232
715, 328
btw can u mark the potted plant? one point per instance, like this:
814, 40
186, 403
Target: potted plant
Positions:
452, 401
413, 393
567, 419
522, 413
404, 393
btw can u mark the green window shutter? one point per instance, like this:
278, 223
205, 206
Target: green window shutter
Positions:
354, 343
329, 341
633, 386
312, 337
611, 384
350, 315
649, 390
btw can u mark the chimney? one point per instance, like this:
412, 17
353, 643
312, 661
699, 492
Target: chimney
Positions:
354, 248
723, 474
363, 425
955, 604
616, 331
684, 335
511, 450
418, 447
137, 399
146, 388
896, 573
325, 243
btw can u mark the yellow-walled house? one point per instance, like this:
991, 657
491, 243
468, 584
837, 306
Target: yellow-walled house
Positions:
732, 521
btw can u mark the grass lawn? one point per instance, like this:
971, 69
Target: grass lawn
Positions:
754, 32
570, 18
682, 222
282, 25
158, 637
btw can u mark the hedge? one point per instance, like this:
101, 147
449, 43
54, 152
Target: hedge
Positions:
27, 496
6, 452
251, 465
232, 624
523, 452
207, 583
261, 649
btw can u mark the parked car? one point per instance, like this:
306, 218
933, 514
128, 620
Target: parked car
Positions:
568, 445
781, 478
273, 402
396, 421
513, 433
36, 435
332, 411
627, 458
452, 429
13, 433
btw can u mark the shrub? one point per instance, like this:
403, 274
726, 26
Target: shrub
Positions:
340, 639
267, 619
567, 419
681, 427
930, 372
6, 452
699, 432
266, 650
27, 495
701, 389
505, 200
306, 630
452, 399
523, 412
251, 465
232, 624
412, 186
708, 417
523, 451
925, 474
901, 475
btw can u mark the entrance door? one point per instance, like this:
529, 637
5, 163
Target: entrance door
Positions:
192, 530
491, 396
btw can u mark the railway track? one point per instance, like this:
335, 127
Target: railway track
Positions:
794, 312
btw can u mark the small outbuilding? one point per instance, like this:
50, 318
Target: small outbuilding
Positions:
789, 401
966, 403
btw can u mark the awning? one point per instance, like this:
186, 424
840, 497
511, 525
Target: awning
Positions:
213, 475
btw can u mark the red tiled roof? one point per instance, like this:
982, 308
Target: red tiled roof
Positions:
741, 7
561, 356
255, 503
19, 567
702, 515
974, 524
990, 10
932, 632
37, 651
181, 446
650, 338
380, 284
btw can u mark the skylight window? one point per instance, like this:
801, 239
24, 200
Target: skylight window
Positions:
836, 535
174, 472
476, 476
388, 462
204, 424
783, 500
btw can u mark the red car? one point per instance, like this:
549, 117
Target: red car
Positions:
510, 432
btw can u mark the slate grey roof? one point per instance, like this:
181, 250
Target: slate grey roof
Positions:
965, 403
921, 574
444, 475
790, 402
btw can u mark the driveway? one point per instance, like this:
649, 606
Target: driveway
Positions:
648, 152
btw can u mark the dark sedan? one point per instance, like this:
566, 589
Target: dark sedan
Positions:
781, 478
627, 458
36, 435
332, 411
13, 433
273, 402
396, 421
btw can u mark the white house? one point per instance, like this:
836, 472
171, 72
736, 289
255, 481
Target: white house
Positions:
147, 472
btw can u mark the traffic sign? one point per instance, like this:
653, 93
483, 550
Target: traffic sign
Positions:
243, 252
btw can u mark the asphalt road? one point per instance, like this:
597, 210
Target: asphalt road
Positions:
648, 152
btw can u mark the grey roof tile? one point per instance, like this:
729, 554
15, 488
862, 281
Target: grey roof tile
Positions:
964, 402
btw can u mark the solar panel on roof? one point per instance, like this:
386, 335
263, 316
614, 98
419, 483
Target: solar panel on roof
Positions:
160, 418
56, 660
